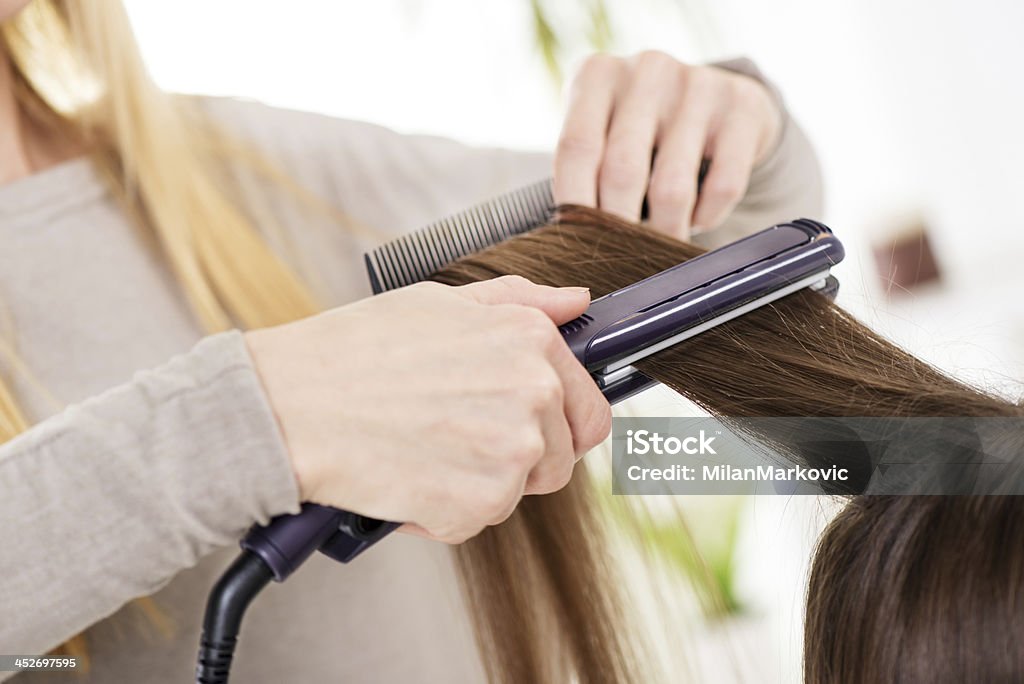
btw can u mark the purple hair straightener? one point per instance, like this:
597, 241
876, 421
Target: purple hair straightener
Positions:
615, 331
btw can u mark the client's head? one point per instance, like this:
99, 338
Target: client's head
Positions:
912, 589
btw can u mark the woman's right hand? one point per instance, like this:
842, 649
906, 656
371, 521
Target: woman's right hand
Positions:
437, 406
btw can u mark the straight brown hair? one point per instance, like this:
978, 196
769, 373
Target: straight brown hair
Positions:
544, 595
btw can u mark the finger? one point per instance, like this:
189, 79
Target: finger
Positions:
733, 151
561, 304
673, 188
581, 142
416, 531
587, 412
555, 468
513, 503
626, 166
456, 537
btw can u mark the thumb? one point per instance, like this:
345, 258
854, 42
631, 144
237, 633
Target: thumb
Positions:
561, 304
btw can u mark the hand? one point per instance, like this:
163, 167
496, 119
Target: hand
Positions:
624, 112
433, 405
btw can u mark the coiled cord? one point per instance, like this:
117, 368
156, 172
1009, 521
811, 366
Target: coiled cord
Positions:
225, 606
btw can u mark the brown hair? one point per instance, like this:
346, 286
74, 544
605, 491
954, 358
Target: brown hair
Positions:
545, 570
918, 589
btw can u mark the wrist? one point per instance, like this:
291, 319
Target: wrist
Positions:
265, 349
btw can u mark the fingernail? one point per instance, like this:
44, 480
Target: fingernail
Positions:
697, 229
577, 289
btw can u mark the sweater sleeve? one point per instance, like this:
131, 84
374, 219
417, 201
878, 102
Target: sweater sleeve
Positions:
107, 500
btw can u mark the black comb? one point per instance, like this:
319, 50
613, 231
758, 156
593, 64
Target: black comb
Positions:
418, 255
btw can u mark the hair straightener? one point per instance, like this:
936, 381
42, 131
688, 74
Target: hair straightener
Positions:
615, 331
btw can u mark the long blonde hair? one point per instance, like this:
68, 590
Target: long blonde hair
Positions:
78, 74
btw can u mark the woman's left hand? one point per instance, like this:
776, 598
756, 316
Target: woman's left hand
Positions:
625, 113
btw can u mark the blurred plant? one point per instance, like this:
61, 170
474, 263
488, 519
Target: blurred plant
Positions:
707, 555
560, 26
696, 539
550, 42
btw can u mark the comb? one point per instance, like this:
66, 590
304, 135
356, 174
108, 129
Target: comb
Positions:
419, 255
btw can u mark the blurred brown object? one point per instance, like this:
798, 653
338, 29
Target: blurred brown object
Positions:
904, 259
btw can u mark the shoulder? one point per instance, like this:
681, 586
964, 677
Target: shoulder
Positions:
278, 130
307, 146
363, 168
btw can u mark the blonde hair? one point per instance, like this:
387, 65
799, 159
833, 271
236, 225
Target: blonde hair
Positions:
78, 75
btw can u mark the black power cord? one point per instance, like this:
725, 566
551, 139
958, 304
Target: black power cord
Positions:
225, 607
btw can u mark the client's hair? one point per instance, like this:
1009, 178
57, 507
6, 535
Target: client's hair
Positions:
902, 588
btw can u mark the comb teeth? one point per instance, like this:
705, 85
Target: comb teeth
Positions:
419, 255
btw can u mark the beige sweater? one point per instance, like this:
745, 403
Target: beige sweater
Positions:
167, 450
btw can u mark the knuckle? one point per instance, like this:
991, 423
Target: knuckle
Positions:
554, 477
444, 530
504, 514
428, 286
493, 503
462, 514
512, 282
573, 144
597, 66
653, 60
447, 424
533, 385
545, 390
725, 188
458, 536
542, 484
485, 502
595, 426
526, 449
492, 509
700, 80
671, 190
513, 279
533, 324
441, 499
563, 474
444, 533
621, 170
746, 92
